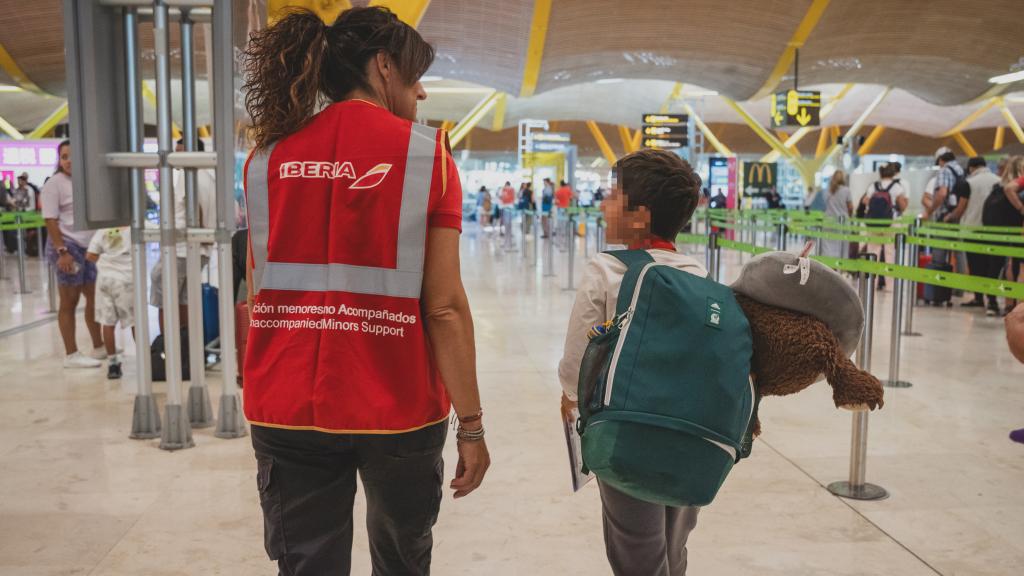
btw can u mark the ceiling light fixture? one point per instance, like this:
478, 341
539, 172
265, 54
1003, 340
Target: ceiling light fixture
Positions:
9, 88
1007, 78
610, 80
431, 78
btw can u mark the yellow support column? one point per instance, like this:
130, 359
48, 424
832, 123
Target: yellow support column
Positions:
327, 11
56, 117
606, 150
535, 47
966, 122
10, 130
965, 145
472, 119
708, 134
1014, 125
1000, 138
447, 125
12, 69
807, 25
498, 123
626, 138
871, 140
824, 136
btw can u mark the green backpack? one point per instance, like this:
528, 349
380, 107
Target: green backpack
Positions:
665, 396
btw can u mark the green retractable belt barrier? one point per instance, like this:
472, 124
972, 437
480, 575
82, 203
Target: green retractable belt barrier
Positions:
982, 236
743, 246
866, 238
972, 247
10, 221
964, 228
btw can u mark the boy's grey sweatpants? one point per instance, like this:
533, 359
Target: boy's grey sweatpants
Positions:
644, 539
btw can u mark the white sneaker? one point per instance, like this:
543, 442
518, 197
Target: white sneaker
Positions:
98, 353
79, 360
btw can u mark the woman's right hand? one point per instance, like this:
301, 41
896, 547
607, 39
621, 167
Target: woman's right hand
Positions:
66, 263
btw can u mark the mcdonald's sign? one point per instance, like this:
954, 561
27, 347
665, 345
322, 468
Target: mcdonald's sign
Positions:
759, 178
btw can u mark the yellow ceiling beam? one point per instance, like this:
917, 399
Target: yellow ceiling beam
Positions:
462, 129
56, 117
535, 47
709, 136
966, 122
498, 123
1000, 138
854, 129
806, 171
797, 136
803, 31
627, 139
823, 141
965, 145
409, 11
12, 69
10, 130
447, 125
638, 137
871, 140
327, 11
606, 150
677, 92
1011, 120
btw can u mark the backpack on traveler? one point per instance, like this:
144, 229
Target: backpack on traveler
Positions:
665, 396
961, 189
880, 204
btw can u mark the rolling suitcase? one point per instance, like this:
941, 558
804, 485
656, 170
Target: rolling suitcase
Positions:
923, 260
938, 295
211, 314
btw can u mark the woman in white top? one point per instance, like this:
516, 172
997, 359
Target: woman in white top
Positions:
76, 276
837, 205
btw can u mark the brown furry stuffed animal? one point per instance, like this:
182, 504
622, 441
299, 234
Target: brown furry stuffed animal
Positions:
803, 329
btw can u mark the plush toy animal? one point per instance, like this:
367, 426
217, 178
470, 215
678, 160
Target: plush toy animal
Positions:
806, 322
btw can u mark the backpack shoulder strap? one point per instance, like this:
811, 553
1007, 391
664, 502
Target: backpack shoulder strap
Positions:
635, 260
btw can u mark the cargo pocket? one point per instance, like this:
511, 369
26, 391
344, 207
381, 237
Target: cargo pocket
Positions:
270, 501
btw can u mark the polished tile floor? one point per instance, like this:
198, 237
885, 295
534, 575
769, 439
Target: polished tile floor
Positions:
78, 497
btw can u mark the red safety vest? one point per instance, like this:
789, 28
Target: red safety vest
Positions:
338, 216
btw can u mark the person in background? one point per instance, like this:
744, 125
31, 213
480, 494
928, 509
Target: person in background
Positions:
76, 276
206, 199
878, 203
110, 250
1015, 339
564, 195
774, 200
481, 194
982, 181
837, 205
508, 195
656, 195
486, 207
950, 200
547, 198
22, 198
1013, 187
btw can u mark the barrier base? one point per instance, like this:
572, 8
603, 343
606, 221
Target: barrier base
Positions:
145, 419
863, 492
910, 334
177, 433
200, 411
230, 424
897, 384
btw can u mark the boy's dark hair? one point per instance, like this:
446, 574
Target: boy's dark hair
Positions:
662, 182
947, 157
976, 162
887, 170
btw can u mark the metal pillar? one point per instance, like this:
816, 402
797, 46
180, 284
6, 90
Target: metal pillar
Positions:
145, 415
571, 259
600, 232
177, 432
230, 422
856, 487
714, 257
780, 239
536, 239
523, 229
22, 285
506, 220
911, 287
897, 316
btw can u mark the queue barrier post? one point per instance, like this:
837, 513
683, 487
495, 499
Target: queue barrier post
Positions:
506, 217
898, 294
600, 233
549, 254
39, 243
536, 240
780, 238
22, 287
524, 227
911, 287
200, 409
713, 257
570, 259
856, 487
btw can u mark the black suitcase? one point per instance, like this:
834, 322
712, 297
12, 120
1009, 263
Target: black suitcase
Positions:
158, 363
938, 295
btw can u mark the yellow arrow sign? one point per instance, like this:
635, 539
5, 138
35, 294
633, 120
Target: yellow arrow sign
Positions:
803, 117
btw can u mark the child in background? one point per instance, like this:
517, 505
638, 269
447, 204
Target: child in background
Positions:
655, 194
110, 249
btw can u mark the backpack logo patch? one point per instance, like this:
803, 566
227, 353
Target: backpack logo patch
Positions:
714, 314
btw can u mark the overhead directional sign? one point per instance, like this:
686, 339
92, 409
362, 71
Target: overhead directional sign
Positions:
665, 131
666, 142
796, 108
663, 119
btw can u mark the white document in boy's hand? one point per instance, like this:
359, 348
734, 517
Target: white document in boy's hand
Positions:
573, 442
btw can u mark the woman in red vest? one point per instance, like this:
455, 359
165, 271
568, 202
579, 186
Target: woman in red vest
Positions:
361, 337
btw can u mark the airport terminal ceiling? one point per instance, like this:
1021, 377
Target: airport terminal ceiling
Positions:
611, 61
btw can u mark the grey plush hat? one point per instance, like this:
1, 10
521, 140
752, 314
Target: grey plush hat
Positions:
787, 281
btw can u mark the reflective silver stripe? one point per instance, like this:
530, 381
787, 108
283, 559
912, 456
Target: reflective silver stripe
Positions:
405, 281
257, 205
342, 278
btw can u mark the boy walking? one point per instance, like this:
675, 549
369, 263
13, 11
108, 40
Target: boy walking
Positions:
111, 250
655, 194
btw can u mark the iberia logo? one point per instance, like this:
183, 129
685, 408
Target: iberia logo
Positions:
336, 171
